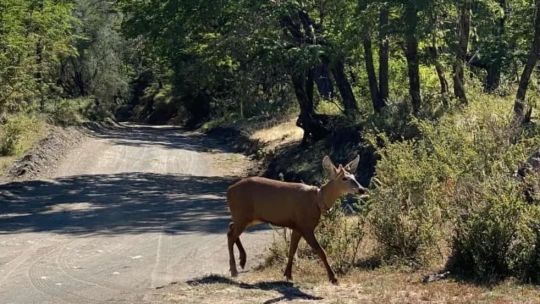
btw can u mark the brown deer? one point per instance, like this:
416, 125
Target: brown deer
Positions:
296, 206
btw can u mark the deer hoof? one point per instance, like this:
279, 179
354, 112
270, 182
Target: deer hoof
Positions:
288, 273
234, 273
334, 281
243, 262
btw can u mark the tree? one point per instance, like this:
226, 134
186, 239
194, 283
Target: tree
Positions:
378, 89
99, 69
463, 29
522, 111
384, 48
411, 53
34, 36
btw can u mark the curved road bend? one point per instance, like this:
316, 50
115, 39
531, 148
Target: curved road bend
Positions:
130, 210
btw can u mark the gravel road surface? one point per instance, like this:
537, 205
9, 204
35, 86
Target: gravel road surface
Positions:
129, 210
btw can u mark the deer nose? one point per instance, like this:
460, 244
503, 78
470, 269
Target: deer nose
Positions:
362, 190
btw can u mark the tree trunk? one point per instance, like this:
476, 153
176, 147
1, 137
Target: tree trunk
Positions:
383, 56
434, 53
411, 53
461, 52
39, 73
376, 100
39, 63
308, 120
494, 68
344, 87
323, 81
523, 111
493, 77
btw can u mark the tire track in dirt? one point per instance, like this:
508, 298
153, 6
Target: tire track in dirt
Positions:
130, 210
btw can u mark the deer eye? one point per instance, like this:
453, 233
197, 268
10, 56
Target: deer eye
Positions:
344, 179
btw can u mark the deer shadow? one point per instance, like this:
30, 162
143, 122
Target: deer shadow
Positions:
287, 290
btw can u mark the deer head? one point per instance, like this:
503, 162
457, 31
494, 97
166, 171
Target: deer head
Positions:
343, 178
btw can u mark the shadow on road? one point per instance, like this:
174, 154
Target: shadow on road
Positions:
127, 203
287, 290
164, 136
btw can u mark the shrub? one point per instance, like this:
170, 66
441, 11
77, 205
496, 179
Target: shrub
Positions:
493, 240
426, 185
18, 133
405, 206
68, 112
339, 233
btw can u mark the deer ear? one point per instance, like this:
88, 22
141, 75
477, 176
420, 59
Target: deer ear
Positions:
353, 165
329, 167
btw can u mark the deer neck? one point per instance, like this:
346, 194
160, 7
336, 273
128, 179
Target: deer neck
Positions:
328, 195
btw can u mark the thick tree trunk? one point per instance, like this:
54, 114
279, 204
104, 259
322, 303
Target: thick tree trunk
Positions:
383, 56
411, 53
312, 124
376, 100
344, 87
523, 111
464, 24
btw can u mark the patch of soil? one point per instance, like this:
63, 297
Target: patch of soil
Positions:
241, 142
42, 159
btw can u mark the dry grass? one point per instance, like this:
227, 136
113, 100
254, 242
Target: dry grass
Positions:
5, 163
29, 138
361, 286
280, 134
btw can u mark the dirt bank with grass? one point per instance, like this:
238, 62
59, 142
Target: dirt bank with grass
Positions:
42, 159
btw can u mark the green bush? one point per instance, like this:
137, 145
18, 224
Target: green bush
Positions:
68, 112
459, 167
339, 234
405, 211
18, 133
494, 239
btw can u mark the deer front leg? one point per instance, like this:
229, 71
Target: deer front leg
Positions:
232, 235
312, 241
295, 238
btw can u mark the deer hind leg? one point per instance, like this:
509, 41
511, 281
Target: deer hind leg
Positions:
295, 238
235, 230
312, 241
243, 257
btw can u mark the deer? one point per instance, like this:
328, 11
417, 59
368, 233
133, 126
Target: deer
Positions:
256, 200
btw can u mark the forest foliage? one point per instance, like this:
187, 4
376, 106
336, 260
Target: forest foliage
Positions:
443, 91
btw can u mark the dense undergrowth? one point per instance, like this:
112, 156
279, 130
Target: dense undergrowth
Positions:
445, 191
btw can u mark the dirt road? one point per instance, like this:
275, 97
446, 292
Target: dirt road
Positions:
130, 210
